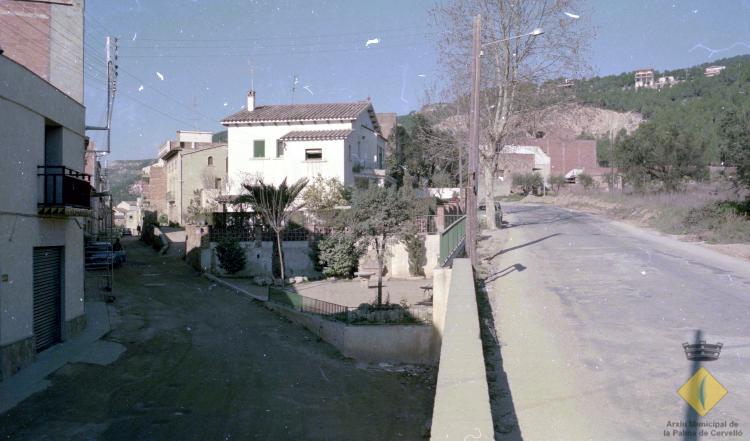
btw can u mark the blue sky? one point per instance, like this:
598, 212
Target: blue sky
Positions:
205, 51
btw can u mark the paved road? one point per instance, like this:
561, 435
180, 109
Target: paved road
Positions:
591, 316
203, 363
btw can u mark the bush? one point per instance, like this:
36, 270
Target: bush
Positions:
417, 254
557, 181
528, 182
231, 256
163, 219
338, 254
586, 180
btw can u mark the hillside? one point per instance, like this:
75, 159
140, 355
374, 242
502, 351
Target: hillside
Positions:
122, 175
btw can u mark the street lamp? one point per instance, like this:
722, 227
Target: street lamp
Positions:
471, 193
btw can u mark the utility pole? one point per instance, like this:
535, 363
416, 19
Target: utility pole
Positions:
471, 191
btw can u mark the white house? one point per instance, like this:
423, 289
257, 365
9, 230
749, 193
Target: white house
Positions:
274, 142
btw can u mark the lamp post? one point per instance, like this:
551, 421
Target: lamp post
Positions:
471, 192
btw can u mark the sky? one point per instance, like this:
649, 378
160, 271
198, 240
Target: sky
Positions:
186, 64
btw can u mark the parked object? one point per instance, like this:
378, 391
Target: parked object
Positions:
482, 214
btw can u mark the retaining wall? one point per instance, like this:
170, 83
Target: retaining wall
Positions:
462, 402
411, 344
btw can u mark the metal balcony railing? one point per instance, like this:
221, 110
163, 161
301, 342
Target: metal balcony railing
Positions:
62, 187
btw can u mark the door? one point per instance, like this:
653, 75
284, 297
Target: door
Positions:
47, 296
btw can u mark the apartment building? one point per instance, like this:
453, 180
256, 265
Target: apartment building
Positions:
46, 197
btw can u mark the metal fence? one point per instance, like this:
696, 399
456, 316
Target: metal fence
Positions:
391, 314
451, 239
246, 227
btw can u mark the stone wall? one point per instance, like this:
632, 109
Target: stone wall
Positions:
16, 356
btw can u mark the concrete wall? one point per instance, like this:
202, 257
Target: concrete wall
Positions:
397, 260
27, 103
462, 402
260, 259
412, 344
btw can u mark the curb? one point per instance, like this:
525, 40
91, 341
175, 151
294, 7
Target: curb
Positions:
235, 288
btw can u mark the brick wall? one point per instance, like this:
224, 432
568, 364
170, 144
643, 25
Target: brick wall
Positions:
25, 35
155, 192
565, 154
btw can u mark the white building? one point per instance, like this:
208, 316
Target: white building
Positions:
132, 215
45, 197
274, 142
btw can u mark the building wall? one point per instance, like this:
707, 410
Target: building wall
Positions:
259, 259
27, 103
47, 39
198, 175
155, 193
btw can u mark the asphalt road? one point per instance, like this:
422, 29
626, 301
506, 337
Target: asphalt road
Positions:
591, 316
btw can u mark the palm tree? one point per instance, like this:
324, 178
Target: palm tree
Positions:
275, 206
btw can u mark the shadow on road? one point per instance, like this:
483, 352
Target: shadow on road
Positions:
504, 416
504, 272
507, 250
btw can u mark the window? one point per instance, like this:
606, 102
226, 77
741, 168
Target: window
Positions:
210, 160
259, 148
279, 149
381, 153
313, 154
217, 183
349, 151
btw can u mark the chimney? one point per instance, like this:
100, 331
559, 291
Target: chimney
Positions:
251, 101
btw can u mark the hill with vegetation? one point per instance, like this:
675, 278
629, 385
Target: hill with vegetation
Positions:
122, 175
699, 121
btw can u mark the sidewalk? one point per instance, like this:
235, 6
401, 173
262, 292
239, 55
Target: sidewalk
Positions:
84, 348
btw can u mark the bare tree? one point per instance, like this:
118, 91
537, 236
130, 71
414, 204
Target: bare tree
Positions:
513, 69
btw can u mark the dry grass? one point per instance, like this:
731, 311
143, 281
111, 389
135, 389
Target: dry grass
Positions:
709, 213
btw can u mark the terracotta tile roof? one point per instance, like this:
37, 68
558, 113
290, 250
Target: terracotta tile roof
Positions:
299, 112
316, 135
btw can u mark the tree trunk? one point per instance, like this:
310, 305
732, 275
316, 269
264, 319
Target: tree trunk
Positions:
281, 257
489, 197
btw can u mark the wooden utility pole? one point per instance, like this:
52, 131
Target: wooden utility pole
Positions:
471, 193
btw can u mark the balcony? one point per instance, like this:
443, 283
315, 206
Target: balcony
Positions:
170, 148
63, 191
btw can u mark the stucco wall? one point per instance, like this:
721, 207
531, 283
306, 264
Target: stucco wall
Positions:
26, 101
197, 174
412, 344
397, 261
260, 259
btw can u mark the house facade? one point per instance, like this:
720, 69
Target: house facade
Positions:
46, 196
185, 171
277, 142
131, 215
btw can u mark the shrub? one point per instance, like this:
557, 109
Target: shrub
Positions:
231, 256
557, 181
528, 182
417, 254
163, 219
586, 180
338, 254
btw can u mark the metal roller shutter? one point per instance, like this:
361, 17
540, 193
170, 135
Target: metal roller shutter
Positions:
47, 296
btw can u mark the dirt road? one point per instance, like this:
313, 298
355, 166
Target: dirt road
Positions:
203, 363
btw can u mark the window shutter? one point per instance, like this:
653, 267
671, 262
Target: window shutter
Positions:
259, 148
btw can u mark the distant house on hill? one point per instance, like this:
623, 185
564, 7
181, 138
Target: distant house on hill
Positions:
712, 71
